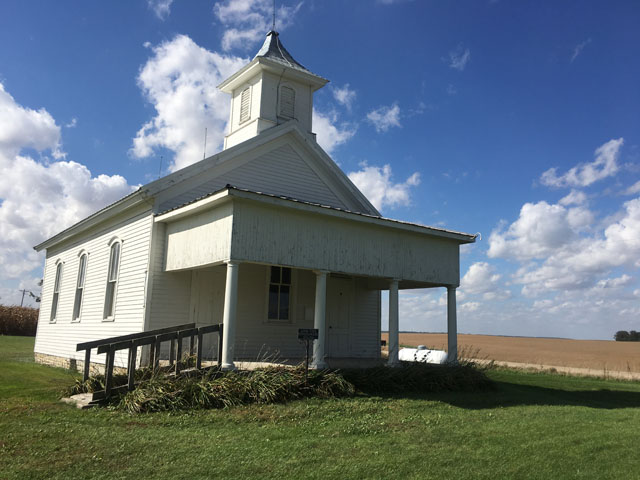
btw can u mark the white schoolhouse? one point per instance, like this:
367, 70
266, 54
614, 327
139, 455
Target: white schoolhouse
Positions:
267, 236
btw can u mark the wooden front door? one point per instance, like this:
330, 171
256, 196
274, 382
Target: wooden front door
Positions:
339, 296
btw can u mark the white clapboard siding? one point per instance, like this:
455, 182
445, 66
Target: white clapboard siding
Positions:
279, 172
61, 337
258, 339
171, 291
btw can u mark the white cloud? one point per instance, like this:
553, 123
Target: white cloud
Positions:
40, 197
633, 189
329, 132
620, 281
162, 8
578, 49
73, 123
575, 197
459, 58
344, 95
480, 278
583, 175
469, 306
539, 231
377, 186
248, 21
385, 117
180, 81
559, 254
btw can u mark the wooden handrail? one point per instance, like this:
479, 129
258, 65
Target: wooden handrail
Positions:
154, 338
132, 336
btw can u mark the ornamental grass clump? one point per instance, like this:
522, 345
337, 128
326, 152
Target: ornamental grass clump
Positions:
217, 389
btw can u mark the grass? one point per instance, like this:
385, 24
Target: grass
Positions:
533, 425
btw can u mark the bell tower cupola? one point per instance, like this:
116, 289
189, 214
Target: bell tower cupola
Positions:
270, 90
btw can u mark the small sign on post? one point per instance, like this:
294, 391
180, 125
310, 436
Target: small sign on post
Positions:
307, 335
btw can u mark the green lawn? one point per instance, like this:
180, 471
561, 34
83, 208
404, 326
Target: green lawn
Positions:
534, 426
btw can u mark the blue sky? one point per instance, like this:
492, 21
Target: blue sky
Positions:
452, 114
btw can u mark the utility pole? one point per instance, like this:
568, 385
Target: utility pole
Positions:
22, 301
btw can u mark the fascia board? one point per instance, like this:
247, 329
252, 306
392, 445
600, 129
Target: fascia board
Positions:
195, 207
337, 173
352, 216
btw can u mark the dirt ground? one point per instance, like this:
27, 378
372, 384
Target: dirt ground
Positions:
601, 355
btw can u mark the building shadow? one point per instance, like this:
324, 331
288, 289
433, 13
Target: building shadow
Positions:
513, 395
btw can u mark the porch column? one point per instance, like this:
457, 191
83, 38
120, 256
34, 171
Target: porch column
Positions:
393, 323
229, 316
452, 325
319, 319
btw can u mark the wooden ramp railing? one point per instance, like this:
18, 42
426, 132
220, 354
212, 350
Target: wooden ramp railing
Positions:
153, 338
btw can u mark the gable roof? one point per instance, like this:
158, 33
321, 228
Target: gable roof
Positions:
337, 180
148, 192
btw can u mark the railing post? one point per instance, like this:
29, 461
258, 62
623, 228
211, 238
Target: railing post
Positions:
178, 352
172, 351
191, 344
199, 351
133, 352
156, 354
152, 349
87, 364
108, 374
220, 337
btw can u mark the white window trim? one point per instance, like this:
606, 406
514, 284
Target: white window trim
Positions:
292, 300
112, 317
54, 318
82, 253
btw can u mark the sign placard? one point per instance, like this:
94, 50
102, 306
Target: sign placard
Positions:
307, 334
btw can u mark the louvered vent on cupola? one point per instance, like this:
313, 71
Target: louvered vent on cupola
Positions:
287, 102
245, 105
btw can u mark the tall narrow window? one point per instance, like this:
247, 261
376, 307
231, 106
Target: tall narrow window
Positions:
287, 102
77, 303
279, 293
245, 105
112, 280
56, 292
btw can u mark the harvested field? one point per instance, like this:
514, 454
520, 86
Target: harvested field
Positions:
602, 355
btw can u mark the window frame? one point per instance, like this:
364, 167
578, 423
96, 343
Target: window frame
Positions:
280, 103
114, 289
57, 286
241, 119
292, 296
82, 268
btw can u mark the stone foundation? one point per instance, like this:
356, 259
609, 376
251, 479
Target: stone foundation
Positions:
73, 364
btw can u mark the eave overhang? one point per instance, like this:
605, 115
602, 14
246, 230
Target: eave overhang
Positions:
277, 68
229, 193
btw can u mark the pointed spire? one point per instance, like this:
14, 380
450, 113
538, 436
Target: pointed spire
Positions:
273, 49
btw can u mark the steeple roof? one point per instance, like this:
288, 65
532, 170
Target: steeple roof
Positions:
272, 57
273, 49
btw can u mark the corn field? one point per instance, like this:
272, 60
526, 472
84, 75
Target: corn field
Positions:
18, 320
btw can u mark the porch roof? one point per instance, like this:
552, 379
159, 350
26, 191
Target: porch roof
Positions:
229, 191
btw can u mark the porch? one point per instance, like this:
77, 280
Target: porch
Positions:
265, 266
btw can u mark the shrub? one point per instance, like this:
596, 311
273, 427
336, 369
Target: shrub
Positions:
213, 388
18, 320
419, 377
